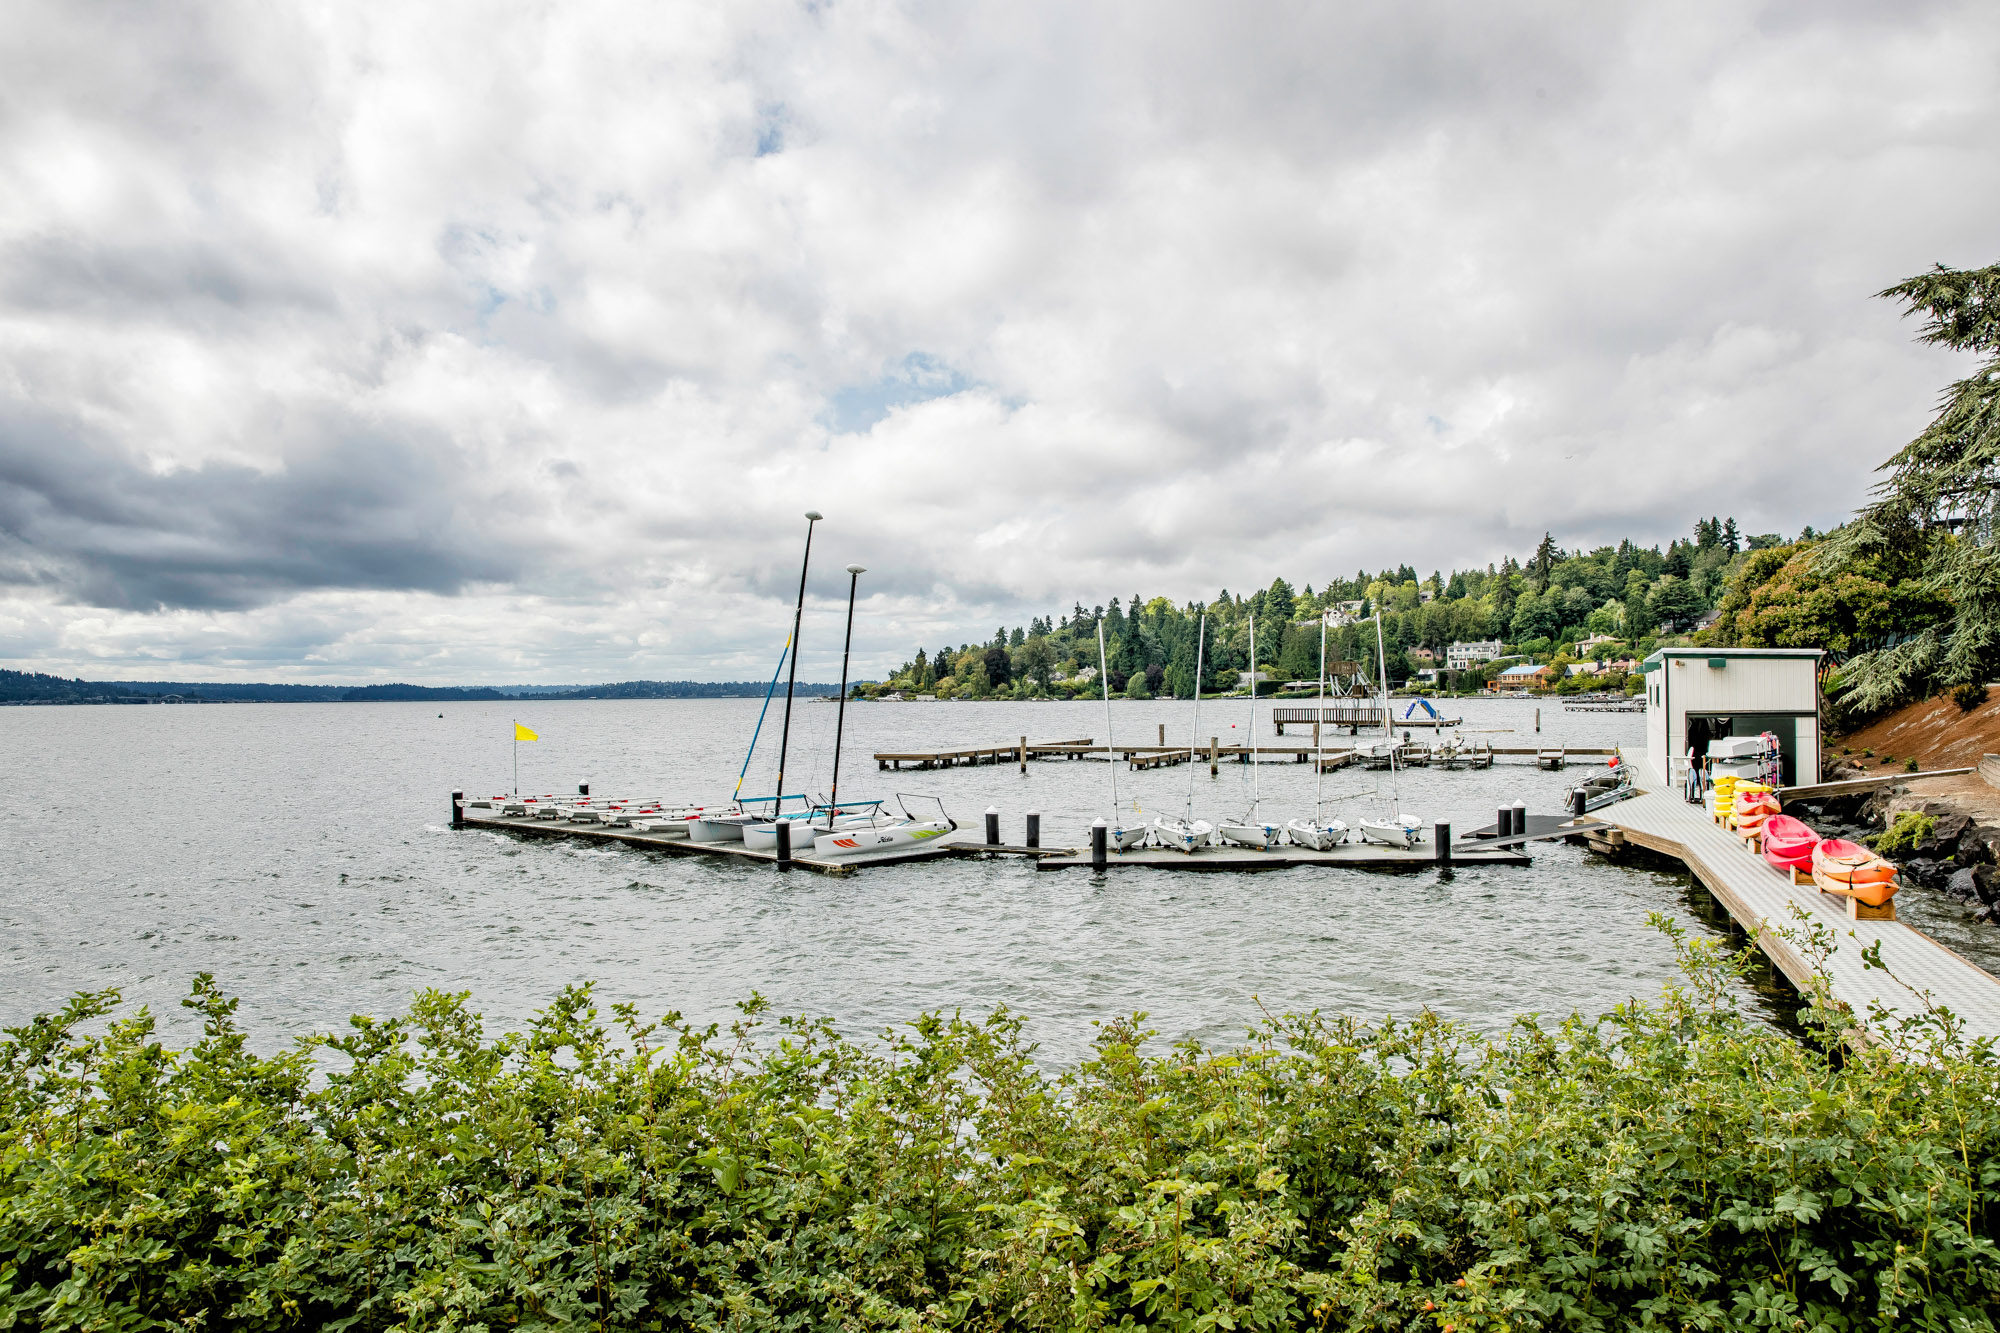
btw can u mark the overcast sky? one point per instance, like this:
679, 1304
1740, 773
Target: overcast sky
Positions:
507, 342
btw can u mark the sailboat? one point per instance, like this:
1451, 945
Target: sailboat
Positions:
1122, 836
1187, 833
1250, 831
1319, 833
882, 832
1397, 829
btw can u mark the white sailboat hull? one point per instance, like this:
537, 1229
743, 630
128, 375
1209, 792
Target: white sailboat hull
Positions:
1182, 835
1400, 832
1124, 837
719, 828
1318, 837
1261, 836
764, 837
881, 837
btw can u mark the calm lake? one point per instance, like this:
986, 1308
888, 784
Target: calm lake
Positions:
301, 853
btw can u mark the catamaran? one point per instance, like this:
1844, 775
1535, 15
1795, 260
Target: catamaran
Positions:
1187, 833
1319, 833
1397, 829
886, 832
1123, 835
1250, 831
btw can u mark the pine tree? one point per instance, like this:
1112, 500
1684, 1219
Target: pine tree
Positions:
1543, 562
1732, 540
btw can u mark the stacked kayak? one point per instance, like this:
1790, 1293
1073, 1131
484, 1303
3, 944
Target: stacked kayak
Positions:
1849, 869
1722, 796
1752, 805
1788, 843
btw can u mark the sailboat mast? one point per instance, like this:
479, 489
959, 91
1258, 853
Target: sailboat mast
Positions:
1254, 790
798, 615
1194, 741
1319, 731
1395, 752
854, 573
1104, 679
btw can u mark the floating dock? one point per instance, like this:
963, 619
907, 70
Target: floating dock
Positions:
1347, 856
1166, 756
1763, 901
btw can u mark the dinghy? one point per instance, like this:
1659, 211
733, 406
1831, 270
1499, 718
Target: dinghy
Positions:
1186, 833
1602, 789
1120, 835
1396, 830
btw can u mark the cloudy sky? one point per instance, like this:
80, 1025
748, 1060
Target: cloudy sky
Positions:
508, 342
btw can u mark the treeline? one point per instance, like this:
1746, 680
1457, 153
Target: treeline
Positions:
1535, 607
35, 687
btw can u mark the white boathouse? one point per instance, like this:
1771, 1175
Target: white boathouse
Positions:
1698, 695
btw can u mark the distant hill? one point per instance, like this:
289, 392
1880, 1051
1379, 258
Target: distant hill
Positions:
31, 687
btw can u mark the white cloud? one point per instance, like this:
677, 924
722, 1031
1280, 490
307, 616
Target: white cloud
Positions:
475, 342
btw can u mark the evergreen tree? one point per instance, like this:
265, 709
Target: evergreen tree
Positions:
1543, 563
1732, 540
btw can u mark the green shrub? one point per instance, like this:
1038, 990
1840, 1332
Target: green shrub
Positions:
1909, 828
1969, 695
1674, 1164
1910, 765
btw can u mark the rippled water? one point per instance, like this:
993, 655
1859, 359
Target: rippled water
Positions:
302, 854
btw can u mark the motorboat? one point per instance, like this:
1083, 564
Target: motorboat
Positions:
1182, 835
1602, 789
1319, 835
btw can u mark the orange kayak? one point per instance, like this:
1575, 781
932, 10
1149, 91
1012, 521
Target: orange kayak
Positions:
1840, 866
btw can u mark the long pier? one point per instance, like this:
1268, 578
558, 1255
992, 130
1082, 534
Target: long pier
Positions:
1777, 914
1166, 756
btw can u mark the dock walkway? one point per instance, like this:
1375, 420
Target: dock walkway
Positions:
1761, 899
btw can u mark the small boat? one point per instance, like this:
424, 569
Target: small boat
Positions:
1788, 843
720, 827
1393, 831
763, 837
1849, 869
1751, 806
1602, 789
1181, 835
1119, 835
1250, 833
1319, 835
884, 832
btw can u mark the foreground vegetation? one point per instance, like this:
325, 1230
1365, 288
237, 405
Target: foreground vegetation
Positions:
1672, 1164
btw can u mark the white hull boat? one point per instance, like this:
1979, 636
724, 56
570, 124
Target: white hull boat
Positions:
881, 836
764, 837
1247, 834
720, 828
1320, 837
1124, 837
1182, 835
1396, 831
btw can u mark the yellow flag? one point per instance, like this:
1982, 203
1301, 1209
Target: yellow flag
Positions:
521, 733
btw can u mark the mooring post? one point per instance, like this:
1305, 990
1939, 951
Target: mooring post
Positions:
1503, 821
784, 832
1576, 802
457, 810
1520, 819
1211, 756
1099, 838
1024, 754
583, 789
992, 826
1163, 733
1441, 844
1538, 719
1034, 834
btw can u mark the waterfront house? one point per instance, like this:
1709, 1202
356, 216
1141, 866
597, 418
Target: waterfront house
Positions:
1526, 676
1465, 656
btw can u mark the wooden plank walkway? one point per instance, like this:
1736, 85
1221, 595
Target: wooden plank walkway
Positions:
1761, 900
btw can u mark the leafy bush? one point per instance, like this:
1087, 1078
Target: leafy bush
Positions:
1910, 765
1969, 696
1909, 828
1672, 1164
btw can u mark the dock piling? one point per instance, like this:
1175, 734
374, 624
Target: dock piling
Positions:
1441, 844
1034, 834
1099, 853
1024, 754
784, 831
1520, 828
583, 789
1211, 756
1163, 733
992, 826
1503, 821
457, 809
1576, 802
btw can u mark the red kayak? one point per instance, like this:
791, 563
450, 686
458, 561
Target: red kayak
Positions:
1788, 843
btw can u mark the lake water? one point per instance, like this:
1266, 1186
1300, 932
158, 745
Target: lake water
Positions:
302, 853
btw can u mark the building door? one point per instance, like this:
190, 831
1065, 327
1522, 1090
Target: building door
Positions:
1704, 728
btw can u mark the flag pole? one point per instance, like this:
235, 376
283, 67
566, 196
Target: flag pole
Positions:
798, 615
840, 714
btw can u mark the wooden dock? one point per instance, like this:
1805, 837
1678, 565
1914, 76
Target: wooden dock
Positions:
1763, 900
1348, 856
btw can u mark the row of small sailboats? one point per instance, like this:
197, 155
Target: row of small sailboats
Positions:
1185, 833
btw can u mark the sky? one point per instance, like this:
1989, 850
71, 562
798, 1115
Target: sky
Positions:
509, 342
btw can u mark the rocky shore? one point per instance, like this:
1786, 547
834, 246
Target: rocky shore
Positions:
1952, 846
